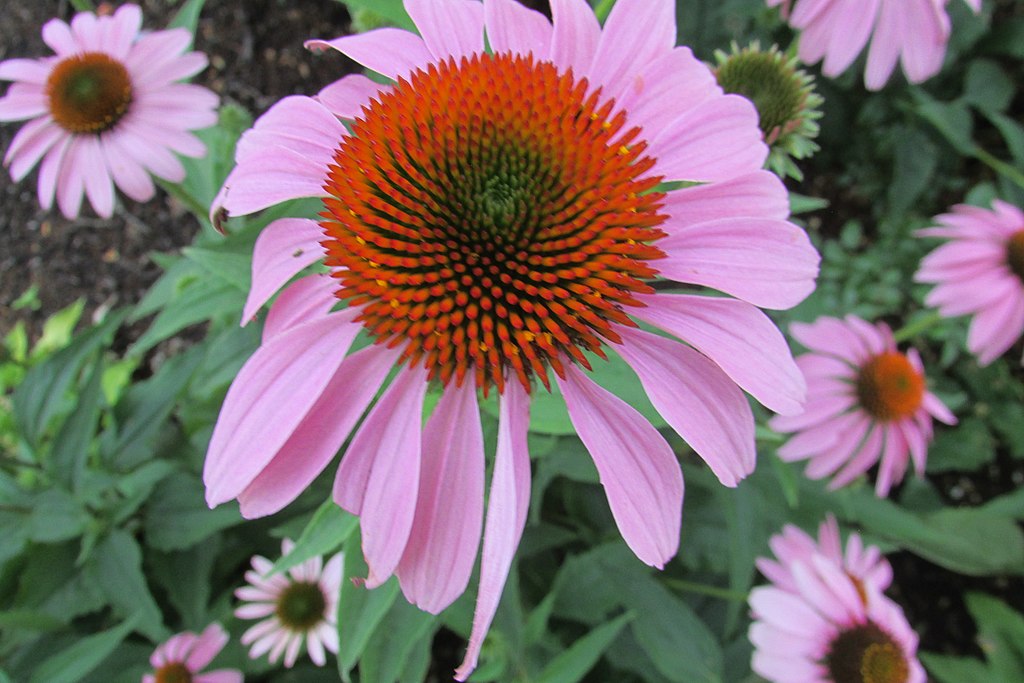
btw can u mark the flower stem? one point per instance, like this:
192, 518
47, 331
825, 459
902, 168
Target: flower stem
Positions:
916, 327
83, 5
999, 166
704, 589
604, 7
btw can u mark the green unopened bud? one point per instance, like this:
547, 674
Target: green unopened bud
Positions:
784, 96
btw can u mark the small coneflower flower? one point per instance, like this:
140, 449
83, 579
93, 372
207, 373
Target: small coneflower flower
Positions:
784, 96
913, 32
493, 220
867, 403
979, 272
829, 628
295, 606
106, 110
862, 564
184, 656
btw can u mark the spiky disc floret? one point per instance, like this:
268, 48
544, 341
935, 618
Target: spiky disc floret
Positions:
487, 234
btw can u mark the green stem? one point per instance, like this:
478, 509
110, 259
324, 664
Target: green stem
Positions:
911, 330
604, 7
1000, 166
83, 5
704, 589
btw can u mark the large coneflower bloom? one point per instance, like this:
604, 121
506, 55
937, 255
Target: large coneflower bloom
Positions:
979, 272
493, 221
913, 32
864, 564
867, 403
184, 656
105, 110
296, 606
827, 626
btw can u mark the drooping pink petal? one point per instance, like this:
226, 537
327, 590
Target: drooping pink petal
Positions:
211, 641
33, 141
305, 299
638, 470
636, 33
25, 70
128, 174
49, 171
153, 52
454, 28
380, 472
98, 185
697, 399
323, 430
345, 98
299, 124
271, 395
511, 27
996, 327
283, 249
438, 561
22, 101
758, 194
391, 52
851, 23
270, 177
926, 33
575, 35
716, 140
769, 263
739, 338
506, 516
71, 181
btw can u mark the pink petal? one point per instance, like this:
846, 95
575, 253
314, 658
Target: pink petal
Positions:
741, 339
454, 28
71, 182
938, 409
346, 98
575, 35
83, 27
220, 676
516, 29
716, 140
925, 37
98, 185
122, 30
153, 156
23, 102
35, 71
57, 35
890, 37
32, 142
49, 171
506, 516
270, 397
768, 263
851, 21
638, 470
636, 33
758, 194
863, 458
379, 474
271, 176
305, 299
185, 66
298, 124
996, 327
283, 249
153, 52
323, 430
785, 611
697, 399
438, 561
391, 52
211, 641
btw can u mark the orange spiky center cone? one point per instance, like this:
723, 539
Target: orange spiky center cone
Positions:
89, 93
866, 654
173, 672
889, 387
493, 218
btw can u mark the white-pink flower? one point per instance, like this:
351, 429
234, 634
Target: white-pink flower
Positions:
864, 564
979, 272
105, 110
296, 606
184, 656
867, 403
825, 626
913, 32
492, 222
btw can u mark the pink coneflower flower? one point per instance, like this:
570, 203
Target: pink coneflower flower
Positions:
980, 271
793, 545
914, 32
181, 659
866, 402
295, 606
493, 221
106, 110
827, 627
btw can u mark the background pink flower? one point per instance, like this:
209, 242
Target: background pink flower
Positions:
867, 403
913, 32
185, 655
827, 627
979, 272
491, 222
106, 110
295, 606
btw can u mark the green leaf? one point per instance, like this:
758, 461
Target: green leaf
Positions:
199, 301
116, 567
573, 664
324, 534
916, 159
55, 516
188, 16
394, 640
186, 577
29, 620
392, 10
967, 447
1000, 635
799, 204
947, 669
177, 516
58, 328
70, 449
70, 665
987, 86
952, 120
